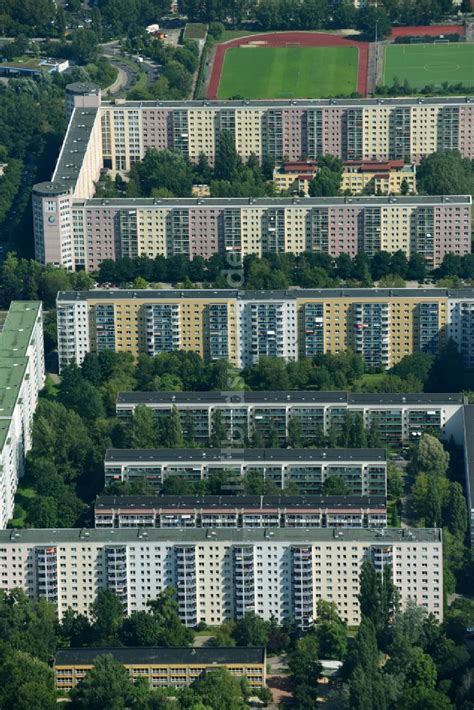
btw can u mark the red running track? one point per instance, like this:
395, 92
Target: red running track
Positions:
431, 31
281, 39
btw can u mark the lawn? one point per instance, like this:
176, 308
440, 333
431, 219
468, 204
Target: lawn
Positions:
423, 64
288, 72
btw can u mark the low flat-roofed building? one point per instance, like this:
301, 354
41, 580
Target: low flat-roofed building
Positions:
243, 511
399, 417
363, 470
163, 667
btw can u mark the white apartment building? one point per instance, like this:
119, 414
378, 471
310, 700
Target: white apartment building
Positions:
222, 573
21, 378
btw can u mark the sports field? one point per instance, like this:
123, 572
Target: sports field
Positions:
288, 72
423, 64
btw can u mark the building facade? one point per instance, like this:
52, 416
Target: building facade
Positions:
363, 470
21, 378
222, 573
381, 325
398, 418
82, 233
74, 231
163, 667
229, 511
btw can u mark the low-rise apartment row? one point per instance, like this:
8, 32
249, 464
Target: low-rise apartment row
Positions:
398, 418
363, 470
81, 233
222, 573
243, 511
358, 177
163, 667
381, 325
21, 378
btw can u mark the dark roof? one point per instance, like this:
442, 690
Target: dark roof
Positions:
287, 397
291, 103
264, 295
223, 455
158, 655
233, 502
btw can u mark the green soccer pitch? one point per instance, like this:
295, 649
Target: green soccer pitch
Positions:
422, 64
288, 72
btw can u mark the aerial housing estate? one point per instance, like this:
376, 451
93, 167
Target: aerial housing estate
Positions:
75, 230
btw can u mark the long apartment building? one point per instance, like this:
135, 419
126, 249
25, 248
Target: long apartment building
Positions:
82, 233
21, 378
381, 325
75, 231
222, 573
163, 667
229, 511
399, 418
363, 470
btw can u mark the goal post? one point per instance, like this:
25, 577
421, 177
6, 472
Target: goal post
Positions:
441, 41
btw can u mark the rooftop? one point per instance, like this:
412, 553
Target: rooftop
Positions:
286, 536
288, 397
73, 149
302, 103
157, 655
234, 503
18, 326
223, 456
12, 373
223, 202
353, 294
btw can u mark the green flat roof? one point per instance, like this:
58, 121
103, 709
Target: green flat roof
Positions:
16, 332
12, 373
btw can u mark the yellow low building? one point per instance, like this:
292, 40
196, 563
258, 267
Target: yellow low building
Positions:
163, 667
379, 178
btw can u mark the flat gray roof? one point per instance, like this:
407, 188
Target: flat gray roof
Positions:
248, 455
238, 502
223, 202
73, 149
302, 397
178, 536
300, 103
267, 295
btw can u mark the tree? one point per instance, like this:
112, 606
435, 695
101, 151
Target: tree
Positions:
106, 685
165, 610
252, 630
227, 159
294, 433
335, 486
455, 513
218, 431
305, 670
84, 46
26, 683
374, 22
445, 173
219, 689
107, 614
448, 372
170, 432
430, 457
165, 169
144, 435
43, 512
378, 597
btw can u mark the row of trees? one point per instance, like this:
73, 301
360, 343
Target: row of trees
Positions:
319, 14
